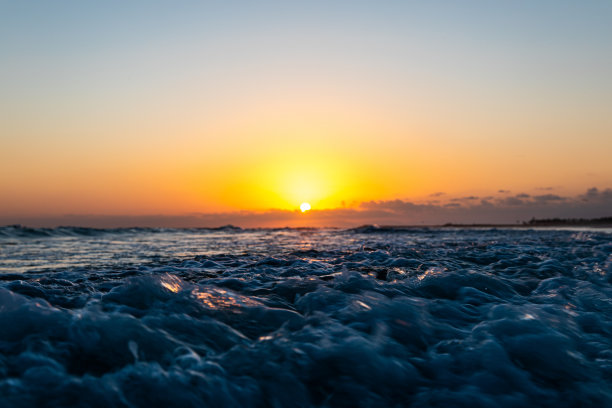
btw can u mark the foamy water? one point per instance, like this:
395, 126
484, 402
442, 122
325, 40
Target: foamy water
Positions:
365, 317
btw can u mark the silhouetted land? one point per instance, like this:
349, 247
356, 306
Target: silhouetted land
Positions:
604, 222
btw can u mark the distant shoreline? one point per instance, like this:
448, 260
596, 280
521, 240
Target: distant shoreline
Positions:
604, 222
470, 226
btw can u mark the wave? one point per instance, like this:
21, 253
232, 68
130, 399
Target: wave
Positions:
375, 229
323, 318
21, 231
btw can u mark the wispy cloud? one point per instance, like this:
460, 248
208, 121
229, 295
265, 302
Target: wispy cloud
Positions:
504, 209
548, 197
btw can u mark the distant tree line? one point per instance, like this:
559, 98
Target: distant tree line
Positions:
569, 221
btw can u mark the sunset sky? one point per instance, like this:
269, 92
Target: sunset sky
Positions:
170, 109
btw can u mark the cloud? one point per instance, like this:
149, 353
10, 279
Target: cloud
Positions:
511, 201
468, 198
593, 194
548, 197
593, 203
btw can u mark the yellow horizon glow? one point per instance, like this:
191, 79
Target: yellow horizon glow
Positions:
275, 161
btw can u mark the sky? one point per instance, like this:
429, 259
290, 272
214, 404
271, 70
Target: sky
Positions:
149, 112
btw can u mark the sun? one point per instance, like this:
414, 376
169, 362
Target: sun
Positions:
304, 207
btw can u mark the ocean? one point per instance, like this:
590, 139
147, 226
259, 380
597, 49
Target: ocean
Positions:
365, 317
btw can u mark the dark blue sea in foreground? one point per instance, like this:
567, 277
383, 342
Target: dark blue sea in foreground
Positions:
297, 318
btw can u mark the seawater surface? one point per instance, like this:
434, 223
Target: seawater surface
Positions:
313, 317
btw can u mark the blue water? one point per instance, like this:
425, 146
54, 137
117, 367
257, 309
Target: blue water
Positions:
285, 318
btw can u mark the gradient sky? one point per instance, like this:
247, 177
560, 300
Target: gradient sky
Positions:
148, 107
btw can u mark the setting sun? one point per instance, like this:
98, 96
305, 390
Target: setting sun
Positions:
305, 207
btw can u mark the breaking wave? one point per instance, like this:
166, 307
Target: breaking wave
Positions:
20, 231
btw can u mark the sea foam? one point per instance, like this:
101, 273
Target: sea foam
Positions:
365, 317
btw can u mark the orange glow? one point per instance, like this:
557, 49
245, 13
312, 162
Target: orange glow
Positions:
270, 112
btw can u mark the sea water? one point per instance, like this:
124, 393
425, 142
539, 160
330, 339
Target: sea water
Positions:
308, 317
